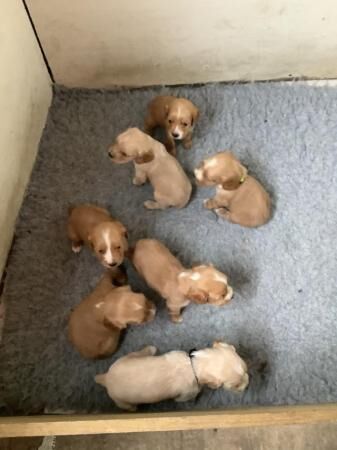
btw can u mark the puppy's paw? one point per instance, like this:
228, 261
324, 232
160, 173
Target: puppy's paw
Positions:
150, 204
137, 181
209, 204
177, 319
76, 248
222, 212
151, 350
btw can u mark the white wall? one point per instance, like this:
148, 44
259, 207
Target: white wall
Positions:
142, 42
25, 95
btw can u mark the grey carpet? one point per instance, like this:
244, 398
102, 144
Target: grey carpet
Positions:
283, 317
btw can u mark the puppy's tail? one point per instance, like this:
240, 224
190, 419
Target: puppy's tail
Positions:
100, 379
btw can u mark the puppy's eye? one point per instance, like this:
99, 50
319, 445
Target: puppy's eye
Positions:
185, 124
123, 154
101, 251
170, 121
118, 248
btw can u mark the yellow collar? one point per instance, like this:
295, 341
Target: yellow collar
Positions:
243, 178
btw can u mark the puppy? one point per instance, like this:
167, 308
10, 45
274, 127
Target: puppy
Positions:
177, 285
239, 197
95, 324
94, 226
141, 377
152, 162
177, 115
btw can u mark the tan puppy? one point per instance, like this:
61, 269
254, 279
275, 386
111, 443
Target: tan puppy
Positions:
152, 162
176, 115
239, 198
94, 226
177, 285
141, 377
95, 324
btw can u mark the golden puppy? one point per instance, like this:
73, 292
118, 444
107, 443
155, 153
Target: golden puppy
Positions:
239, 198
177, 285
95, 324
152, 162
141, 377
94, 226
177, 115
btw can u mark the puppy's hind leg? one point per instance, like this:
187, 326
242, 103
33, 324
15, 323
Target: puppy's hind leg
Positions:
149, 350
186, 396
125, 406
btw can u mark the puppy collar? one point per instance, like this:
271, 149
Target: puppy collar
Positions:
191, 356
243, 179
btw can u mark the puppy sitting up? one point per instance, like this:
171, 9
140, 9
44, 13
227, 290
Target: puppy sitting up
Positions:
141, 377
94, 226
177, 285
239, 198
176, 115
152, 162
95, 324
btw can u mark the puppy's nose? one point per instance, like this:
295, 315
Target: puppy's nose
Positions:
175, 135
113, 264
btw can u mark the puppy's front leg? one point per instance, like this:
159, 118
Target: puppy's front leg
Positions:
170, 145
187, 142
140, 176
175, 313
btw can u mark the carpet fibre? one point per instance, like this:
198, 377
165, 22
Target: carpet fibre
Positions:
283, 316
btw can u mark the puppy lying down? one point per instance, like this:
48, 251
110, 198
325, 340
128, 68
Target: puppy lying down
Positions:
95, 324
176, 115
179, 286
239, 198
152, 162
141, 377
94, 226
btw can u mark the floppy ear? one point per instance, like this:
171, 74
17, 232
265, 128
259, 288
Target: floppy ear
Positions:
231, 183
197, 295
145, 157
113, 322
195, 115
122, 229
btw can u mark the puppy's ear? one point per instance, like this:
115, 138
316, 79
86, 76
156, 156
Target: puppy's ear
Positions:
122, 229
231, 183
145, 157
197, 295
113, 322
195, 115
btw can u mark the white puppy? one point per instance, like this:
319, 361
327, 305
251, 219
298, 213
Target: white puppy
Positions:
141, 377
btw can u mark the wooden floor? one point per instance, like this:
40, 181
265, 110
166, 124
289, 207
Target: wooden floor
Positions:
296, 437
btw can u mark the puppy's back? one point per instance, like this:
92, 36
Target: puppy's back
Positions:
155, 263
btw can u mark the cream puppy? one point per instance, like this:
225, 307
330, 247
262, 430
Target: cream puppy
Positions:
94, 226
152, 162
179, 286
176, 115
239, 197
141, 377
